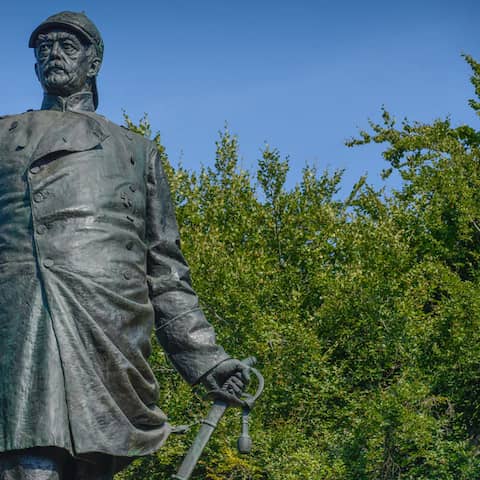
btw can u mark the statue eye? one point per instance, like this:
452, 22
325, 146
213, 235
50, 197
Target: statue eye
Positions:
44, 48
69, 47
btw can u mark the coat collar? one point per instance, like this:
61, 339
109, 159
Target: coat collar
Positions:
78, 102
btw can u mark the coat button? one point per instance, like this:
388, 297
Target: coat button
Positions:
129, 245
38, 197
35, 169
127, 275
41, 229
48, 263
133, 187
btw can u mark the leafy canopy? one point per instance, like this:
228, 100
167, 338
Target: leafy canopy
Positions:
364, 313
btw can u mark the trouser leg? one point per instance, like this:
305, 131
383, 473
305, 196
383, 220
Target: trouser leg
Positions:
52, 464
31, 464
92, 471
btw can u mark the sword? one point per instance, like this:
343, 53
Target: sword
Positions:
209, 424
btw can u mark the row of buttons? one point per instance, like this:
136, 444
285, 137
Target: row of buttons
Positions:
128, 203
37, 198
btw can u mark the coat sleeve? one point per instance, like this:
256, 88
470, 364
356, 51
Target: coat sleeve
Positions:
180, 325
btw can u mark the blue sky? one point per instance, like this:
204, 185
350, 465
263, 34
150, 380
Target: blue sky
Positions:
301, 75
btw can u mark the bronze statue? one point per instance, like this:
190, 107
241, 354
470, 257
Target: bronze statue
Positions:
90, 263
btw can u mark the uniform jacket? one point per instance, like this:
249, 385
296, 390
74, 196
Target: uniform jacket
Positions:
89, 264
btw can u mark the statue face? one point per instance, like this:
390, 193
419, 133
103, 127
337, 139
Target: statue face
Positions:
65, 63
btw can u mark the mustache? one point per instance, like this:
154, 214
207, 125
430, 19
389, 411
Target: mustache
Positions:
54, 65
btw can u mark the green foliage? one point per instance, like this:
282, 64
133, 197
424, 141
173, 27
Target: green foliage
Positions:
364, 313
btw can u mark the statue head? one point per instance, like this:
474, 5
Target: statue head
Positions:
69, 52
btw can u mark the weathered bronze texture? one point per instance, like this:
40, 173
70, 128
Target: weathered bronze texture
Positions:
90, 264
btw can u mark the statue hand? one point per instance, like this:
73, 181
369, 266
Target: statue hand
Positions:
227, 381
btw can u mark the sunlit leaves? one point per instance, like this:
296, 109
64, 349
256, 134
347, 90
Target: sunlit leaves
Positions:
364, 313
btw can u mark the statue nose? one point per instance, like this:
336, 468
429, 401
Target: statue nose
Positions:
55, 51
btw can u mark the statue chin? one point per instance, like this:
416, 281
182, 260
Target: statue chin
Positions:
57, 83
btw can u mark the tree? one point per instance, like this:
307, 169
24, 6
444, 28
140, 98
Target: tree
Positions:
364, 313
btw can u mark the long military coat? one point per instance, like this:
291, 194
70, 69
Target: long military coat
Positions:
89, 264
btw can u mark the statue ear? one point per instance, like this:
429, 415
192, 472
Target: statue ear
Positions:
94, 67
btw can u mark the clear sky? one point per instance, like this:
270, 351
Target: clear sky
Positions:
302, 75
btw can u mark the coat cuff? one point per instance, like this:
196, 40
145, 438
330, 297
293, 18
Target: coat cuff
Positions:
194, 365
